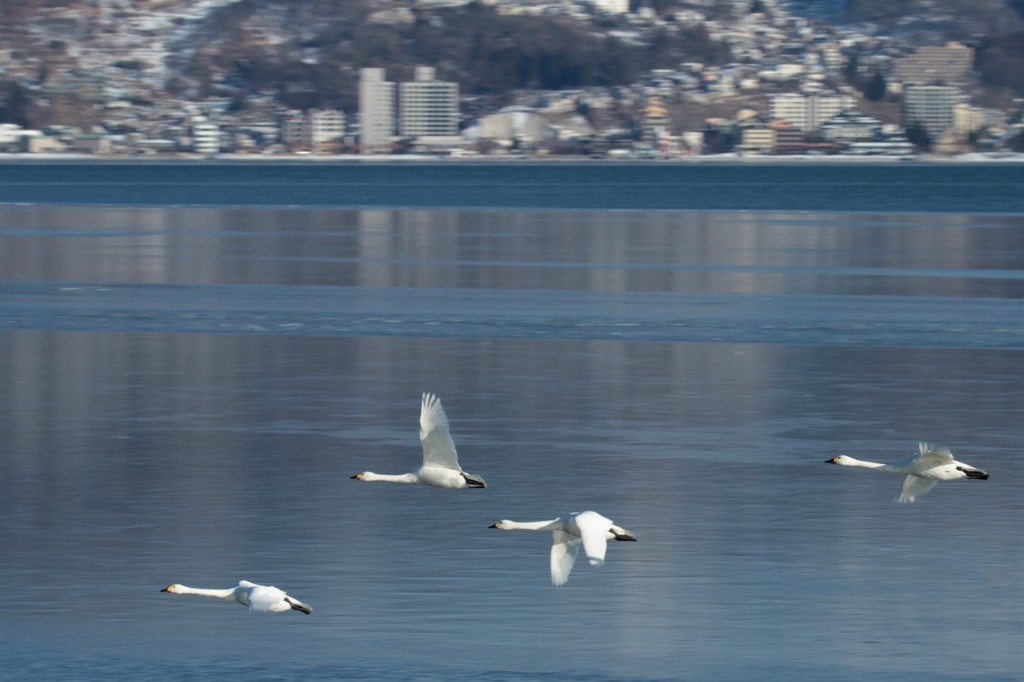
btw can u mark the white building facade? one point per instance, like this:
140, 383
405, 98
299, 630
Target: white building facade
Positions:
851, 127
326, 125
809, 112
205, 136
428, 107
931, 106
376, 111
791, 108
612, 6
11, 133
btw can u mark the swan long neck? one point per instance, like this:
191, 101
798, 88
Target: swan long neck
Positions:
530, 525
851, 462
228, 593
401, 478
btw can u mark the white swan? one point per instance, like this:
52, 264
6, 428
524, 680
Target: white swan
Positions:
440, 461
567, 532
931, 465
256, 597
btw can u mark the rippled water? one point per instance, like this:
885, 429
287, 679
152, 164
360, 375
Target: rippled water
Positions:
185, 392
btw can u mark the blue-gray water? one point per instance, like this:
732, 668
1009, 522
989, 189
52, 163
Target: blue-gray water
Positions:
185, 391
966, 188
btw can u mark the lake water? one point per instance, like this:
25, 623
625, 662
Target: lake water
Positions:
185, 391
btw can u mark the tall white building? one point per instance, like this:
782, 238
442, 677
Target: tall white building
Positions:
376, 111
931, 106
205, 136
428, 107
808, 112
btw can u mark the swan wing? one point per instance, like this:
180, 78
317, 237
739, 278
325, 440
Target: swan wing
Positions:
438, 447
914, 487
563, 555
933, 455
262, 598
594, 532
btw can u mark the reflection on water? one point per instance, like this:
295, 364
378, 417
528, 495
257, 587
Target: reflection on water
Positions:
939, 281
133, 460
602, 251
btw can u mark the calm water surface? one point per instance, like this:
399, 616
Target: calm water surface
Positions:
756, 186
185, 392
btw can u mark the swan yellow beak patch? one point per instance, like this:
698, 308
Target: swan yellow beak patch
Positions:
168, 589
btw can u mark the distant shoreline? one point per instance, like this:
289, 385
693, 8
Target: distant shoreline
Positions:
410, 158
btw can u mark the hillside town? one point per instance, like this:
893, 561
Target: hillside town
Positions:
792, 85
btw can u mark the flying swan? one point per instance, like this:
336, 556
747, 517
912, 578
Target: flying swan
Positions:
256, 597
567, 532
440, 461
931, 465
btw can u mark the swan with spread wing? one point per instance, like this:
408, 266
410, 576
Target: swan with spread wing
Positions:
929, 466
568, 532
440, 461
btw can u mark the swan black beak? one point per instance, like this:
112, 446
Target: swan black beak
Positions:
831, 461
357, 476
166, 589
495, 525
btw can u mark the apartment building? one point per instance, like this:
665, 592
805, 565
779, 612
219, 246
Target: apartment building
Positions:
205, 136
315, 129
930, 105
809, 112
376, 111
757, 139
850, 127
929, 65
428, 107
656, 122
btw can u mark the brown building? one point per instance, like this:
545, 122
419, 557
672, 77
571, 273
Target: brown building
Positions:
656, 121
788, 138
949, 64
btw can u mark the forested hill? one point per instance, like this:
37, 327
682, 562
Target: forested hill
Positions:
310, 52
